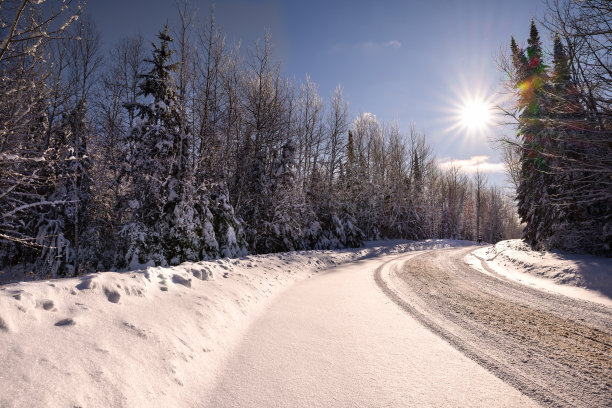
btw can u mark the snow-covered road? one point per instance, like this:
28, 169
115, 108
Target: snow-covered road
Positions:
556, 349
337, 340
412, 323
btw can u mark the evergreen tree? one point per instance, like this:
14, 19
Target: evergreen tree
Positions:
519, 62
229, 230
535, 190
289, 219
582, 215
170, 217
559, 193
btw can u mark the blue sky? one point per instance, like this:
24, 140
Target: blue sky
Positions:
411, 61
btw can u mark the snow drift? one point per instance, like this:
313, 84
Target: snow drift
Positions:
154, 337
580, 276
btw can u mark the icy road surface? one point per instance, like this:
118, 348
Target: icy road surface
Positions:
337, 340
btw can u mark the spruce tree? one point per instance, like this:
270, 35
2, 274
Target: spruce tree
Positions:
559, 193
228, 229
170, 217
348, 230
535, 187
519, 62
289, 216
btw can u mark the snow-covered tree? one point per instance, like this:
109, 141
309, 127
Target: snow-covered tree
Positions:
170, 217
535, 190
28, 161
565, 153
64, 229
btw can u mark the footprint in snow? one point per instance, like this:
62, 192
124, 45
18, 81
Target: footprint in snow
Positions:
3, 326
112, 295
87, 283
65, 322
178, 279
202, 274
45, 304
16, 293
135, 330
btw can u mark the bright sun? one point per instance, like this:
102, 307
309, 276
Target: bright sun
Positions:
475, 115
472, 112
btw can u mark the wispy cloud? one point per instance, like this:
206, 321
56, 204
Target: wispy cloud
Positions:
373, 45
367, 45
392, 44
474, 163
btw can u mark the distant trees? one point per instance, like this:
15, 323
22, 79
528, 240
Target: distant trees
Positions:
197, 149
564, 140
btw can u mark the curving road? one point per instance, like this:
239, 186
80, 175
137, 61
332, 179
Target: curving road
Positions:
419, 329
555, 349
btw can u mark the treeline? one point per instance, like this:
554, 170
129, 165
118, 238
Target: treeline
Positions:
196, 149
563, 152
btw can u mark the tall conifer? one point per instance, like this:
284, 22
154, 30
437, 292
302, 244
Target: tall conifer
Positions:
171, 221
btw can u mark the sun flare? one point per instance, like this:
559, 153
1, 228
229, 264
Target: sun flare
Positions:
475, 114
471, 111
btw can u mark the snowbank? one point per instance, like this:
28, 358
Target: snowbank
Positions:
580, 276
143, 338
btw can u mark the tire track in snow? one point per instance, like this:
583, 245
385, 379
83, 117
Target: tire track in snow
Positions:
529, 339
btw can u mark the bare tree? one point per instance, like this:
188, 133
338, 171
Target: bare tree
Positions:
28, 28
85, 58
337, 128
308, 125
480, 183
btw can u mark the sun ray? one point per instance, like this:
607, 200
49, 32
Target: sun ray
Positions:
471, 112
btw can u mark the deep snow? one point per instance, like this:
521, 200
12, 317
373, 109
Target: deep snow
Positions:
154, 337
584, 277
338, 341
141, 338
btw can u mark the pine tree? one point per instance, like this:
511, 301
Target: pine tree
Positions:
347, 229
519, 62
170, 217
289, 217
286, 219
535, 191
229, 230
563, 154
78, 213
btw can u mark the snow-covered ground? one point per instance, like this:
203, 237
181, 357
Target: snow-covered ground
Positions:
579, 276
154, 337
160, 336
339, 341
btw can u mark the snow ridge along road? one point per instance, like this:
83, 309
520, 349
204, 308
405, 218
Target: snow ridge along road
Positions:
241, 332
148, 338
555, 349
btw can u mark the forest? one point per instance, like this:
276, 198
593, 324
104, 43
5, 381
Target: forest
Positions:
561, 158
185, 147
